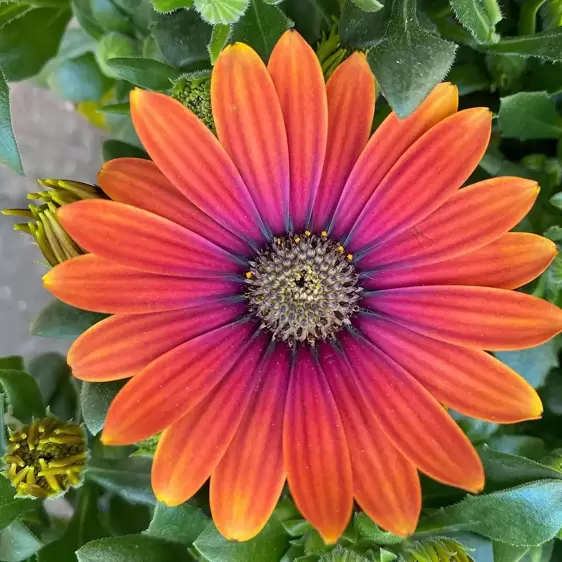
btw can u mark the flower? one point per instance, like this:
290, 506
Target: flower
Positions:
295, 301
46, 457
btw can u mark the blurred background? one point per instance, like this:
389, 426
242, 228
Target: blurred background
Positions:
55, 142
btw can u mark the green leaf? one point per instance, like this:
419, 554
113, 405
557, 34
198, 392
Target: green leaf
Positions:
505, 470
360, 30
183, 36
75, 42
110, 17
312, 17
22, 394
62, 321
268, 546
221, 11
261, 27
469, 78
10, 507
529, 115
146, 73
340, 554
473, 16
165, 6
126, 518
522, 445
29, 41
112, 149
526, 515
78, 79
532, 364
508, 553
12, 362
545, 45
506, 71
182, 524
219, 39
132, 548
95, 398
424, 59
114, 45
368, 530
84, 527
56, 384
82, 11
17, 543
129, 477
9, 152
368, 5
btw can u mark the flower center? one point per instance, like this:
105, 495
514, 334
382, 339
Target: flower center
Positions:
303, 288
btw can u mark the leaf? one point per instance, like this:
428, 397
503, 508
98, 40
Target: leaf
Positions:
62, 321
368, 530
75, 42
22, 394
523, 445
132, 548
219, 39
409, 61
268, 546
84, 527
312, 18
29, 41
504, 469
78, 79
95, 398
126, 518
508, 553
473, 16
17, 543
532, 364
221, 11
368, 5
146, 73
529, 115
10, 507
526, 515
165, 6
56, 384
340, 554
12, 362
183, 36
469, 78
113, 45
9, 152
110, 17
183, 523
545, 45
359, 30
261, 27
130, 478
82, 11
112, 149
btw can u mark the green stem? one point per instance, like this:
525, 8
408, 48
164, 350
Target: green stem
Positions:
493, 10
528, 16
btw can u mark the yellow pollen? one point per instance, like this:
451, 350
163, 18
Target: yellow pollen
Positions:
349, 257
324, 234
249, 274
341, 249
307, 232
297, 239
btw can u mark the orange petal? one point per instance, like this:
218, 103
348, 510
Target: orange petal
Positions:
412, 419
299, 82
191, 448
470, 219
249, 479
385, 484
428, 173
250, 126
140, 183
174, 384
315, 450
390, 141
468, 380
190, 156
143, 240
123, 345
509, 262
94, 283
480, 317
351, 104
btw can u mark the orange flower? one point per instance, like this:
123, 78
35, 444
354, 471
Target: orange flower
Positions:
296, 301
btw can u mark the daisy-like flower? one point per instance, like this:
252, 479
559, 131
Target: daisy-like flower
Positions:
297, 301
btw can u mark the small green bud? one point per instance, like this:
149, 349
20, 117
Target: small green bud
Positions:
46, 458
53, 241
330, 52
195, 93
436, 549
